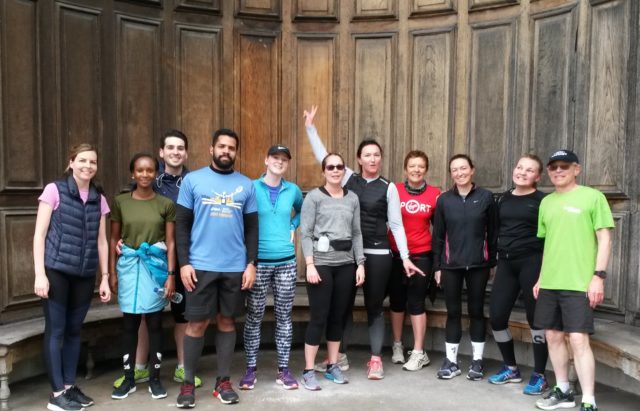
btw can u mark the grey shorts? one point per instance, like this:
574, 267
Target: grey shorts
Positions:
561, 310
215, 293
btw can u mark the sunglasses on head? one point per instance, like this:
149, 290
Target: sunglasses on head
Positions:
331, 167
556, 167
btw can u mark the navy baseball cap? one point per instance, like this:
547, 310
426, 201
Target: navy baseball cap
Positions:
564, 155
279, 148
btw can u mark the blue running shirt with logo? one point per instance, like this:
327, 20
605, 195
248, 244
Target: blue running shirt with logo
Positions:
218, 202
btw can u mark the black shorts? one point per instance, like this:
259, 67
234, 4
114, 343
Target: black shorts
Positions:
566, 311
215, 293
177, 310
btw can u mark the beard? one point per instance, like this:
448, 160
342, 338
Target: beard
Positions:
223, 163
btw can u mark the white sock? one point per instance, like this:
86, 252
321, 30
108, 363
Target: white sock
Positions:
417, 351
589, 399
563, 385
478, 350
180, 366
397, 343
452, 352
141, 366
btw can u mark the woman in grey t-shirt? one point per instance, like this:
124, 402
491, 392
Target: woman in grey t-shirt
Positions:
332, 247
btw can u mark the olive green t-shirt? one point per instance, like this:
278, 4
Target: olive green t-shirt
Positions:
142, 220
568, 223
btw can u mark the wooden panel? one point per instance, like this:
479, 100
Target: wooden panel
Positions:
432, 71
21, 138
211, 6
16, 258
315, 10
198, 102
607, 118
138, 79
491, 102
79, 70
615, 284
374, 82
257, 101
552, 82
375, 9
315, 74
486, 4
260, 9
429, 7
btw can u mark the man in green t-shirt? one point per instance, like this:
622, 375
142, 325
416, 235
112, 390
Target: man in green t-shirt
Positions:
575, 222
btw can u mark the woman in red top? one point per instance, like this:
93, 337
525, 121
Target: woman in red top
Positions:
408, 291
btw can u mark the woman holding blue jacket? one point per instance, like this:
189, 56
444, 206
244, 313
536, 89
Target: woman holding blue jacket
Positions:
145, 221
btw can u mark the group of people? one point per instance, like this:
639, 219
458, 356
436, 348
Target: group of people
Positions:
210, 239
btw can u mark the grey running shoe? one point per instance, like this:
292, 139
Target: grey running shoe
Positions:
448, 370
475, 371
417, 360
398, 353
556, 399
63, 402
309, 381
334, 374
78, 396
343, 363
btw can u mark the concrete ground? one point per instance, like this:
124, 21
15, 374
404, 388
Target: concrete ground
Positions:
399, 390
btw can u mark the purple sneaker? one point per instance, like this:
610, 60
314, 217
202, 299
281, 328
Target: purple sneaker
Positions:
287, 380
249, 380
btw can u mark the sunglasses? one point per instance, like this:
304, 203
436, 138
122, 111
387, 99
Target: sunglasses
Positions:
556, 167
331, 167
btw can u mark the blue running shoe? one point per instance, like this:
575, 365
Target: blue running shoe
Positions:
506, 375
334, 374
537, 384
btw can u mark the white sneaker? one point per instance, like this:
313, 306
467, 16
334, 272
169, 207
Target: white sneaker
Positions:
416, 361
343, 363
398, 353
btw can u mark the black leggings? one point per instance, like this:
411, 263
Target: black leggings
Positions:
409, 293
64, 312
131, 324
512, 277
476, 281
329, 301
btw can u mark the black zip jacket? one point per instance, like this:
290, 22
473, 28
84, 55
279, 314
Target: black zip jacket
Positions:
465, 230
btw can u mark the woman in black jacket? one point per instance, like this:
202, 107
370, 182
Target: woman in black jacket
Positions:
464, 249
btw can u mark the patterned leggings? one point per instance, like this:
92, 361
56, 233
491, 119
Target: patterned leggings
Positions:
282, 279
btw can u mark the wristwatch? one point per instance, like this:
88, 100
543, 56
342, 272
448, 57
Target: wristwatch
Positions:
171, 273
602, 274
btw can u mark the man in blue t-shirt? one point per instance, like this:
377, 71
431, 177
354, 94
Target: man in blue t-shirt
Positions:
217, 242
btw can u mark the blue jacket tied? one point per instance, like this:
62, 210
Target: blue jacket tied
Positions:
71, 245
139, 272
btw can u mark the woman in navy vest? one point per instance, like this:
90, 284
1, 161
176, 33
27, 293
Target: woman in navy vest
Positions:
70, 242
379, 208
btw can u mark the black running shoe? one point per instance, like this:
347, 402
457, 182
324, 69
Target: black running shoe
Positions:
475, 371
224, 391
187, 396
64, 402
156, 389
127, 387
78, 396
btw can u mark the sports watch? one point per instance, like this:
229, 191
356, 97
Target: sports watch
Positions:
601, 273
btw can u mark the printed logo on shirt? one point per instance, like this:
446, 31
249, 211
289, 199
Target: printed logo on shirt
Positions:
222, 204
572, 210
414, 206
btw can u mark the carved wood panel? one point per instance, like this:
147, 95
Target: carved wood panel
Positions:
138, 79
21, 133
315, 74
491, 101
373, 94
257, 98
432, 76
260, 9
375, 9
615, 284
79, 68
553, 62
315, 10
430, 7
486, 4
207, 6
608, 97
198, 102
16, 258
